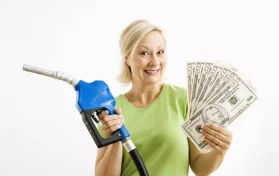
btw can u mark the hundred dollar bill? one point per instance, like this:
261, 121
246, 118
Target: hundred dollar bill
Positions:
222, 110
210, 82
204, 75
190, 72
224, 73
197, 76
193, 80
223, 92
230, 77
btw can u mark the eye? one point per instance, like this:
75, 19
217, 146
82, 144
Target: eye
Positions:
161, 52
144, 53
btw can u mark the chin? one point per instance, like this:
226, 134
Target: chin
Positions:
153, 81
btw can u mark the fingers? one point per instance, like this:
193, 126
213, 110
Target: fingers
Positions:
111, 123
219, 138
103, 114
218, 132
213, 145
118, 111
106, 112
219, 129
215, 142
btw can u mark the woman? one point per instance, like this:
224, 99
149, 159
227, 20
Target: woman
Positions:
154, 112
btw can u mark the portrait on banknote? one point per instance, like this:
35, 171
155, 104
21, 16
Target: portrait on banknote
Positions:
216, 114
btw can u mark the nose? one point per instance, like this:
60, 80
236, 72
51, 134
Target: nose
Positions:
155, 60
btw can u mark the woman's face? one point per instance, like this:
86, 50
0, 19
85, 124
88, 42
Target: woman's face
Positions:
148, 61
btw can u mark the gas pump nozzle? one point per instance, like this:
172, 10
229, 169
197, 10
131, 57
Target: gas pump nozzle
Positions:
92, 99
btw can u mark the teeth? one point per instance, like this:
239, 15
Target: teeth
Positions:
152, 71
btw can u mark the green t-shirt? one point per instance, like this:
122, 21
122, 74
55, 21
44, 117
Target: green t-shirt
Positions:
157, 134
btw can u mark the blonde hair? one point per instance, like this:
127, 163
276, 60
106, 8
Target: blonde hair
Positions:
130, 38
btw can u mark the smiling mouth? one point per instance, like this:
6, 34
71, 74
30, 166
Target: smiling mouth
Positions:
152, 72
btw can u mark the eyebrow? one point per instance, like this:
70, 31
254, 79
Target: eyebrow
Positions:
148, 48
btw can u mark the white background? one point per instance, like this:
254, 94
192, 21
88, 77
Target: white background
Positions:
42, 133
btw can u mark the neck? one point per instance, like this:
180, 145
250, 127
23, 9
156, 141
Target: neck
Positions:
141, 95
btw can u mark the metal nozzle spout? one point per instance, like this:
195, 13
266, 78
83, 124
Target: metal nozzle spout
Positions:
54, 74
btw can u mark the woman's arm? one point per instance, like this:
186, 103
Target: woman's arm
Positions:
109, 159
219, 138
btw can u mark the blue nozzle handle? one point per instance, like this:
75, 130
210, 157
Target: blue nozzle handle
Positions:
96, 97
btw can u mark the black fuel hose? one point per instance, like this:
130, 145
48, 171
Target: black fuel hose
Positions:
138, 162
132, 150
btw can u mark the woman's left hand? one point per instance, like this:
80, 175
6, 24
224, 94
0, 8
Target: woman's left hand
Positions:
219, 138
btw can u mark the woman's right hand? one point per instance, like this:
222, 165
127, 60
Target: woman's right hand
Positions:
111, 123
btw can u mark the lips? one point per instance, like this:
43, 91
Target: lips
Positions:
152, 72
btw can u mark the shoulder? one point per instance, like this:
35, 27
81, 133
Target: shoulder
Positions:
119, 100
175, 94
177, 97
176, 91
175, 87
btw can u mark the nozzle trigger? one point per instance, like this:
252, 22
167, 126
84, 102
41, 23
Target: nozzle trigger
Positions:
95, 117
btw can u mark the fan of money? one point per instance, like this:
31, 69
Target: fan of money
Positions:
216, 94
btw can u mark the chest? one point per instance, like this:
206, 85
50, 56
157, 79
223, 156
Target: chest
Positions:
154, 127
